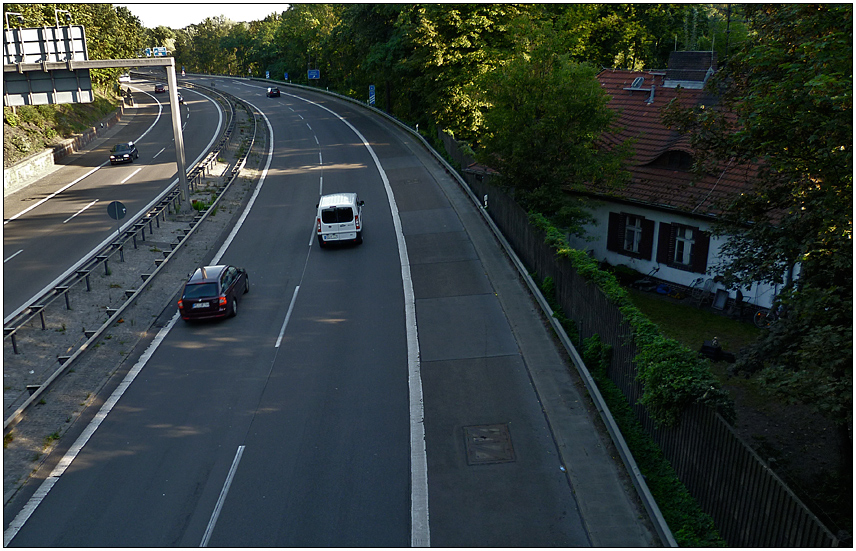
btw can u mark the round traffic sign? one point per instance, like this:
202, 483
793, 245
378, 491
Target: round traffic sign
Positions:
116, 210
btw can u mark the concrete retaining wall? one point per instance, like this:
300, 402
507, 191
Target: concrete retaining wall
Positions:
39, 164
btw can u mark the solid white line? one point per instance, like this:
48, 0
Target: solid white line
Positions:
42, 492
287, 317
420, 534
222, 498
54, 194
81, 210
131, 175
13, 256
126, 225
252, 201
159, 152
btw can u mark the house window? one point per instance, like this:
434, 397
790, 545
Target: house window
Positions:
684, 243
630, 235
683, 247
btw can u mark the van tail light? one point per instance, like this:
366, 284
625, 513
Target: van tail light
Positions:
180, 304
223, 301
318, 227
357, 220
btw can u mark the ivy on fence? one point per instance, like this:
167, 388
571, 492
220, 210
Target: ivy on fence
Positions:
673, 377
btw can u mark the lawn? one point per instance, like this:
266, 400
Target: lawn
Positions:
691, 326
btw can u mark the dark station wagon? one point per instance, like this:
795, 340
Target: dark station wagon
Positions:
213, 292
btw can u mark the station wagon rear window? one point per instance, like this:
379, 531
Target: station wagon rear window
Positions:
200, 290
337, 215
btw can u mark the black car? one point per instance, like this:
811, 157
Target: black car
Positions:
212, 292
273, 92
124, 152
159, 88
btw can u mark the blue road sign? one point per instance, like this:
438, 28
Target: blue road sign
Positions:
371, 94
314, 74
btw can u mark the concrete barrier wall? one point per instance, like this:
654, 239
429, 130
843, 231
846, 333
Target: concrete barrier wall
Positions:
32, 168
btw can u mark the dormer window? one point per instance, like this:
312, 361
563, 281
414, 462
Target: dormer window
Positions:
675, 160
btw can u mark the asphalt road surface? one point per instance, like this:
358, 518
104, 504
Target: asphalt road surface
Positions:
297, 423
49, 227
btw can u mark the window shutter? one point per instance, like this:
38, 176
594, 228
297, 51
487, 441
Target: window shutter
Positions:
615, 235
663, 243
646, 246
700, 251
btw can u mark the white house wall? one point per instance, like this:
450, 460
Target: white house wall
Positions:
761, 295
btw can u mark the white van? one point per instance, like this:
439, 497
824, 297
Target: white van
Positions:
340, 218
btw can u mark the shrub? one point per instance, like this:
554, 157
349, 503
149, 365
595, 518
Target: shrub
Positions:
690, 526
673, 376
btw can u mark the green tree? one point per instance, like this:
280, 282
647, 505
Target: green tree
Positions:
786, 107
545, 117
449, 47
111, 32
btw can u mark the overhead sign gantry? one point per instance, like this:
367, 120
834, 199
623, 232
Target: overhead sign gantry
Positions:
48, 65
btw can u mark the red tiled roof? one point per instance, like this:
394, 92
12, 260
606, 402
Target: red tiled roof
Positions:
656, 182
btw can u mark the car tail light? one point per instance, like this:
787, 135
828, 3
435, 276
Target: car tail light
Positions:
318, 227
180, 304
357, 220
223, 301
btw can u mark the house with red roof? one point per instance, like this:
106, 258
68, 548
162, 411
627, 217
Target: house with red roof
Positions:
660, 221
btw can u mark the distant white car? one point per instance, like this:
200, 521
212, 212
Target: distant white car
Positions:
340, 218
125, 78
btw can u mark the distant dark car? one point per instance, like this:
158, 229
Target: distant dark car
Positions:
159, 88
212, 292
124, 152
273, 92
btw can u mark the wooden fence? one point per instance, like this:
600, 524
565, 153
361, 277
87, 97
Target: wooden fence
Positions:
749, 504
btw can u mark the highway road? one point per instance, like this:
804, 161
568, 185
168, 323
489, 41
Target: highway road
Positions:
48, 228
300, 422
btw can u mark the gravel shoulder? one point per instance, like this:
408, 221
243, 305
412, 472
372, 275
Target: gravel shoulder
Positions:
52, 424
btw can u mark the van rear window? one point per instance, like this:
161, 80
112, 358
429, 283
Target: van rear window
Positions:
337, 215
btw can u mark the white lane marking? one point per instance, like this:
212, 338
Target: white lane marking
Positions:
420, 535
127, 224
13, 256
255, 195
28, 510
159, 152
316, 141
131, 175
81, 210
287, 317
222, 498
54, 194
321, 186
320, 159
42, 492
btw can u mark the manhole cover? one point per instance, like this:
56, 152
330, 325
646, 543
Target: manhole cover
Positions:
488, 444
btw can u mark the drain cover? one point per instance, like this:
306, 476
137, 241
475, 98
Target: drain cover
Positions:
488, 444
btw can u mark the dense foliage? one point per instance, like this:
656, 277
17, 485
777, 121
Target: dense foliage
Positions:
673, 376
787, 107
111, 32
690, 526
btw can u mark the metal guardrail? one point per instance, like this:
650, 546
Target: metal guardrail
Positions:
164, 203
644, 493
